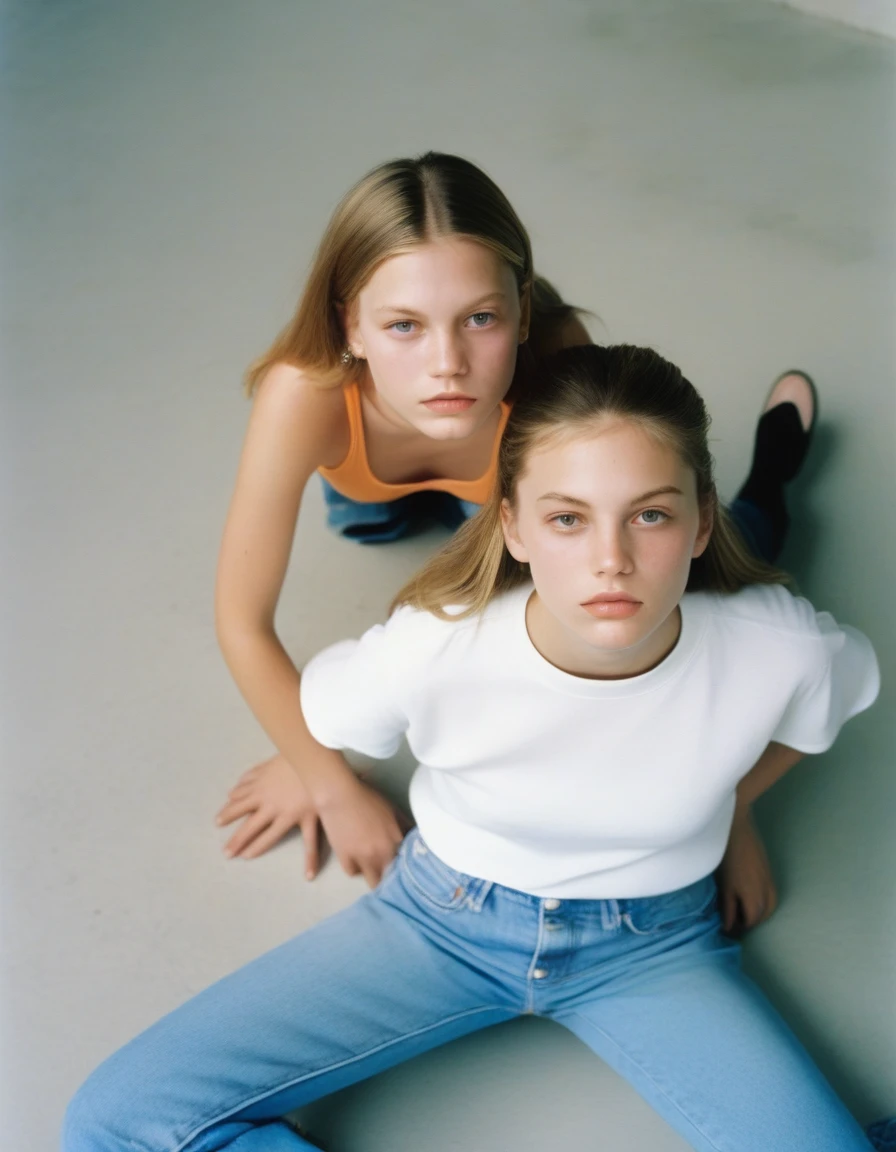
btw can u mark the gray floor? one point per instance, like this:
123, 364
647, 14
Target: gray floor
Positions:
714, 177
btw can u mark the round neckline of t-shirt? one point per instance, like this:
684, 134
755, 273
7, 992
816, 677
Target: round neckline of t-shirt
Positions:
693, 622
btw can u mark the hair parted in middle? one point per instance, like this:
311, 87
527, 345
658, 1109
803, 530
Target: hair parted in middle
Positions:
576, 388
394, 208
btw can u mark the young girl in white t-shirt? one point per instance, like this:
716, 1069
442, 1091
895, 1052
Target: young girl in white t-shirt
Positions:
421, 318
597, 681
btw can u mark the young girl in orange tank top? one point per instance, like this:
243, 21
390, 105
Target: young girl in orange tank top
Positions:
421, 318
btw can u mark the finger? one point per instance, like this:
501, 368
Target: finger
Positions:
310, 835
372, 875
235, 809
754, 912
246, 833
247, 777
240, 788
267, 839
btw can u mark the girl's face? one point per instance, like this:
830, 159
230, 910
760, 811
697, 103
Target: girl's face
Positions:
608, 521
439, 327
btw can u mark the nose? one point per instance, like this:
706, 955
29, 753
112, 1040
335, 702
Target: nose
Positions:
611, 555
448, 355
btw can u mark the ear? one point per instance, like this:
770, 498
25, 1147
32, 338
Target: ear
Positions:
348, 314
512, 541
525, 313
707, 521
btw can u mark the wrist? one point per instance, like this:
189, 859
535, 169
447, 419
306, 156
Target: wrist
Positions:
743, 814
335, 787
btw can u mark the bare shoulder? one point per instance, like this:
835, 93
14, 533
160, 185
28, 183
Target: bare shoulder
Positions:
295, 427
296, 417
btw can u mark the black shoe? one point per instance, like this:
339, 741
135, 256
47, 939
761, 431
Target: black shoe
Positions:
783, 436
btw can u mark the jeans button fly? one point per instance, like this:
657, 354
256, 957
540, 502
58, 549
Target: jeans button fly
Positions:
551, 905
539, 973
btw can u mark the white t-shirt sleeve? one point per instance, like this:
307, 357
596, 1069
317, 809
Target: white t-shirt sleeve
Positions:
841, 679
351, 693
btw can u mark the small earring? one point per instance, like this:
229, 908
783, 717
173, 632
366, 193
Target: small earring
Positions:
347, 356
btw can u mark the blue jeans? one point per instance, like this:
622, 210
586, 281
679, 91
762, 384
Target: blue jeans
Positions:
651, 985
756, 530
372, 523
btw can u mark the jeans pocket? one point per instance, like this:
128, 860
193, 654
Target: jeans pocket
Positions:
431, 879
672, 911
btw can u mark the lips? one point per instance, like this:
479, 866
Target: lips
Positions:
611, 598
612, 606
449, 402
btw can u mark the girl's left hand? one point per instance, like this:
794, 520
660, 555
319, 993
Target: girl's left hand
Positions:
747, 893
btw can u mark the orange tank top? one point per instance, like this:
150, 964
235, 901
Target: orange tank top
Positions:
354, 479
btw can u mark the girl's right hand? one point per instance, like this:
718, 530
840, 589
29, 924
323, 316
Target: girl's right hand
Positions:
271, 800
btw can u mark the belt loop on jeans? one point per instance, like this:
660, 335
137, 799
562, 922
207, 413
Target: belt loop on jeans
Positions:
610, 917
477, 890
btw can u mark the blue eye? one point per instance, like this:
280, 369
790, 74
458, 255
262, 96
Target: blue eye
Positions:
482, 319
565, 520
403, 327
652, 516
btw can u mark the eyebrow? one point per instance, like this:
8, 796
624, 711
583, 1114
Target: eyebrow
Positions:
467, 308
561, 498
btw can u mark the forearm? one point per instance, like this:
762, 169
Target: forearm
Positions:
774, 763
269, 682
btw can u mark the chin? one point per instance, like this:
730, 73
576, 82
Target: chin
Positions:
614, 635
448, 427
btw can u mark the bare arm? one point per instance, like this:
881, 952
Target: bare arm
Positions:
290, 429
774, 763
747, 893
294, 428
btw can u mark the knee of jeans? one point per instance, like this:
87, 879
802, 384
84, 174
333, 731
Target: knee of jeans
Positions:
80, 1130
92, 1124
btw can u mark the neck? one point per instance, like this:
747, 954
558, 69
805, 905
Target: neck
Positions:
571, 654
380, 415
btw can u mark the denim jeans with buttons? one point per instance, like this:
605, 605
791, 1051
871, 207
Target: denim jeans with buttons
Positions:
651, 985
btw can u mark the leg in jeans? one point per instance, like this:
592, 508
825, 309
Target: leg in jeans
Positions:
700, 1042
380, 523
354, 995
368, 523
756, 530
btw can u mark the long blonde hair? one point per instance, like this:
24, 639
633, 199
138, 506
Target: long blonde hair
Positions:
395, 207
576, 388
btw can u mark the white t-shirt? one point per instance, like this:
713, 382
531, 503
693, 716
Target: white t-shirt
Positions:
574, 788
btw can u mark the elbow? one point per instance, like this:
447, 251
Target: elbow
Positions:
237, 631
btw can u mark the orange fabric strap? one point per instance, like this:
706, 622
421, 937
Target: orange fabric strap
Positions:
354, 479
